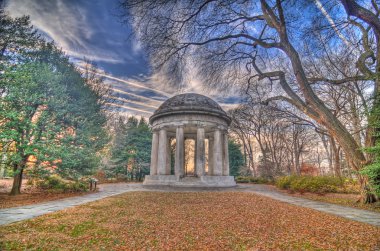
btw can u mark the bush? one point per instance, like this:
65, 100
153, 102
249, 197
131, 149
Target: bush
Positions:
55, 183
373, 174
284, 182
251, 179
313, 184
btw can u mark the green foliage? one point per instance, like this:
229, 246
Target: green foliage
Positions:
313, 184
131, 149
55, 183
17, 38
372, 171
48, 109
284, 182
251, 179
236, 158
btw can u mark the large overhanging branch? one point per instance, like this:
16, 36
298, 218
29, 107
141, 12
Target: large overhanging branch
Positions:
294, 98
361, 63
339, 81
255, 41
354, 9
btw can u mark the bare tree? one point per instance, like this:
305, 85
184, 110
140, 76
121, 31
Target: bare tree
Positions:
283, 139
261, 43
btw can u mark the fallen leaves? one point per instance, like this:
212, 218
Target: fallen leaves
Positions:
29, 195
199, 220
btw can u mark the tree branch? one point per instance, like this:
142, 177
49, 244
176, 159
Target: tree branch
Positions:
338, 81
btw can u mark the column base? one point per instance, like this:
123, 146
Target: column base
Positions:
176, 181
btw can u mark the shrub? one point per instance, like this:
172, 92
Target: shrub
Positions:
284, 182
313, 184
101, 176
373, 174
55, 183
251, 179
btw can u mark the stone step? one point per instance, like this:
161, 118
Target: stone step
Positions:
190, 179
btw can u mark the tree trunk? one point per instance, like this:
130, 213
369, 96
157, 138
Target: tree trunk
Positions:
328, 152
3, 160
336, 157
367, 195
317, 110
17, 180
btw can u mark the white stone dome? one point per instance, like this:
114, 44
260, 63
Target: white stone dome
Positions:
190, 103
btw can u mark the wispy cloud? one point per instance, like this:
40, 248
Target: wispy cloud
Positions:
135, 95
89, 29
132, 83
129, 108
133, 102
82, 28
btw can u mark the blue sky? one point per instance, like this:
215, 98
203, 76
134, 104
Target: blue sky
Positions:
91, 29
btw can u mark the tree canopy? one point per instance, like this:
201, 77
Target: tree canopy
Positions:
51, 116
131, 148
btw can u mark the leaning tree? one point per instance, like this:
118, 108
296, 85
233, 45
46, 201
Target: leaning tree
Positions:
266, 43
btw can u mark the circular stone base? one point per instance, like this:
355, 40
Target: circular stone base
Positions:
203, 181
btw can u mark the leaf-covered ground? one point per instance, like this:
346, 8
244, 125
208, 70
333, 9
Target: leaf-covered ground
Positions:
349, 200
191, 221
29, 195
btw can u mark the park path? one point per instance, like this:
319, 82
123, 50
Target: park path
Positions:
10, 215
365, 216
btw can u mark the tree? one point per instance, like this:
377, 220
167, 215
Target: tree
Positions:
49, 112
263, 43
131, 148
16, 35
373, 170
284, 138
235, 157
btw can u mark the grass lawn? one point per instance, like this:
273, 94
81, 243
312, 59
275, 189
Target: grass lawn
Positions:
212, 220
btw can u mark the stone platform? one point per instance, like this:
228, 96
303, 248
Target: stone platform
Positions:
176, 181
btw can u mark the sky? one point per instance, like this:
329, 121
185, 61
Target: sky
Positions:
92, 29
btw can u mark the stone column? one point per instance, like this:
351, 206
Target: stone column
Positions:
162, 152
200, 152
226, 161
179, 152
153, 156
168, 158
218, 153
210, 156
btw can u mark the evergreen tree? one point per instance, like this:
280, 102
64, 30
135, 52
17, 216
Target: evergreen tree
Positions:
372, 171
131, 149
48, 111
236, 157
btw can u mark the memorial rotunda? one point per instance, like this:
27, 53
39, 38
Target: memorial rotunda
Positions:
193, 117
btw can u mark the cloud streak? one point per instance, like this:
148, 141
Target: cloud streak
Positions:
84, 29
89, 29
129, 108
134, 84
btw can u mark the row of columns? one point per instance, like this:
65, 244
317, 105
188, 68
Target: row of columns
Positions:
218, 162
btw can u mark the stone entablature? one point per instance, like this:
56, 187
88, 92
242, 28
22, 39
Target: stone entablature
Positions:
190, 116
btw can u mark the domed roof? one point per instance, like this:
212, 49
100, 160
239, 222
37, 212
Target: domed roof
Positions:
189, 103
